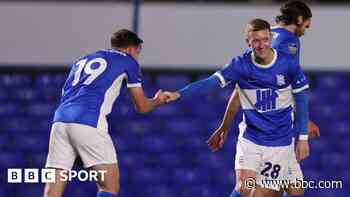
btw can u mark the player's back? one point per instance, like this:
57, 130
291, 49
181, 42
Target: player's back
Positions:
93, 84
286, 41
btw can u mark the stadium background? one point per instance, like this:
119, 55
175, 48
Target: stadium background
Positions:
162, 154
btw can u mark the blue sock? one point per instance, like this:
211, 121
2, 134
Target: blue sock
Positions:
294, 196
105, 194
235, 194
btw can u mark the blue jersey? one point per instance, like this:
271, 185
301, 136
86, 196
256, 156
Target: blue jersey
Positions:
266, 95
93, 85
286, 41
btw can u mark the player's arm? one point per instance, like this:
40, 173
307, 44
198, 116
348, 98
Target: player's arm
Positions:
301, 122
218, 80
134, 83
301, 114
197, 88
299, 86
231, 110
144, 104
217, 139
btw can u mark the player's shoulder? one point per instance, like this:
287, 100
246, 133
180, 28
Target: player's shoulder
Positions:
283, 35
119, 56
285, 56
242, 58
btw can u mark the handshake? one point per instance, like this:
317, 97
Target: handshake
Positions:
162, 97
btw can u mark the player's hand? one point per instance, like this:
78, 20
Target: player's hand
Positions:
217, 139
160, 97
171, 96
302, 150
313, 130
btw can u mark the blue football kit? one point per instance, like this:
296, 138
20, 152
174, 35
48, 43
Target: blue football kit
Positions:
266, 94
93, 85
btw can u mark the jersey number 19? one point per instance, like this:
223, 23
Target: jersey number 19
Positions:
87, 67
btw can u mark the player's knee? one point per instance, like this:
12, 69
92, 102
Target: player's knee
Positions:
50, 192
296, 192
242, 189
245, 182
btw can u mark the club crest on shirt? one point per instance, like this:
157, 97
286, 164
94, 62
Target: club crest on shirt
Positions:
280, 80
292, 48
275, 35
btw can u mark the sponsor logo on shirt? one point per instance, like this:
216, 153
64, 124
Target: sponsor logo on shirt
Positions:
292, 48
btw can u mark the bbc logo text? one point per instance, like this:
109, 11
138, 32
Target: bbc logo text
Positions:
34, 175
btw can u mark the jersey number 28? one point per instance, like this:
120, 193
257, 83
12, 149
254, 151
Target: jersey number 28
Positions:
87, 67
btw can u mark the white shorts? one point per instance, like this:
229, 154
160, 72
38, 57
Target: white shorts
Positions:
275, 166
70, 140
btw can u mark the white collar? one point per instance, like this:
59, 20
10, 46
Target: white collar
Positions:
267, 65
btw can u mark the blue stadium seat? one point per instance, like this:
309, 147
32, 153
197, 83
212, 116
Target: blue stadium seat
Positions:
37, 159
148, 176
129, 159
44, 110
6, 142
31, 189
12, 160
24, 94
171, 81
49, 94
11, 109
17, 124
172, 160
30, 142
15, 80
214, 160
78, 188
167, 110
158, 144
203, 191
185, 126
332, 80
50, 80
4, 96
159, 191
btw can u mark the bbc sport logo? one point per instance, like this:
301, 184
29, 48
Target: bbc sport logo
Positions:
31, 175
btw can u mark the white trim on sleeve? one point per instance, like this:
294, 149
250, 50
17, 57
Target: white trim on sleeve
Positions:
303, 137
300, 89
221, 79
133, 85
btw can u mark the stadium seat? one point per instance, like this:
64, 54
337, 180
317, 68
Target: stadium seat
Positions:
158, 144
205, 191
31, 189
12, 160
38, 109
15, 80
11, 109
22, 94
172, 82
50, 80
30, 142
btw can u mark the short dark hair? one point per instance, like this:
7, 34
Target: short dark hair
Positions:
125, 38
291, 10
257, 24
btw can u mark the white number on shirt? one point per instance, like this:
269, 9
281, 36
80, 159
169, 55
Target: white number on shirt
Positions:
87, 67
